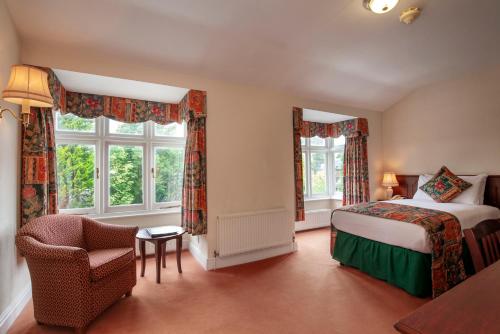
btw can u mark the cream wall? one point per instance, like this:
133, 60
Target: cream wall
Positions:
14, 277
249, 131
454, 123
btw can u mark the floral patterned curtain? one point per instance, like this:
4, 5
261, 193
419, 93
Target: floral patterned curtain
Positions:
194, 188
356, 184
38, 166
297, 157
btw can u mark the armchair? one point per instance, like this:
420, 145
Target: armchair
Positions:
78, 267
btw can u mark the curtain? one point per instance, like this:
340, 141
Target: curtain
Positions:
194, 188
355, 164
297, 159
38, 166
356, 183
121, 109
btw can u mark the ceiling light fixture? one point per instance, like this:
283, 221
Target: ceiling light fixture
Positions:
380, 6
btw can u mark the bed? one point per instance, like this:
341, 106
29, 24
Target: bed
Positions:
399, 252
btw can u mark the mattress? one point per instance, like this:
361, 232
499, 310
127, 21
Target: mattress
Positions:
406, 235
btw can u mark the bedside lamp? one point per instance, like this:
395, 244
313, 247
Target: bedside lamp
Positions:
28, 86
389, 181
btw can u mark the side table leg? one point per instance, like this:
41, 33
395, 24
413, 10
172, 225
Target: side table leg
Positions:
158, 247
164, 254
178, 251
142, 250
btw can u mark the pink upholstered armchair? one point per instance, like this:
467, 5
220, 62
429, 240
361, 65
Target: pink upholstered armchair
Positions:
78, 267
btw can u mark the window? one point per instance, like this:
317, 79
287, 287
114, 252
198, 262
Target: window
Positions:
105, 166
323, 167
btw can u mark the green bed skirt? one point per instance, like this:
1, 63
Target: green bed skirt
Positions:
404, 268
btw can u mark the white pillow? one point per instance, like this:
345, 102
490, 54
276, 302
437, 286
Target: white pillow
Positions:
473, 194
420, 194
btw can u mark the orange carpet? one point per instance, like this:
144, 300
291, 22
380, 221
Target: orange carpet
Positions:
303, 292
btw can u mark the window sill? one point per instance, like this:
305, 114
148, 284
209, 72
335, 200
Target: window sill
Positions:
138, 214
326, 198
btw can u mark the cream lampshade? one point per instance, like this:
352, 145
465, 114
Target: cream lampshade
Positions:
389, 181
28, 86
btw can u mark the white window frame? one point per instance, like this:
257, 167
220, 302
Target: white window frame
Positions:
102, 139
329, 149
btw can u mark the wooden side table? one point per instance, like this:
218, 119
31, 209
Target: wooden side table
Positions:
160, 249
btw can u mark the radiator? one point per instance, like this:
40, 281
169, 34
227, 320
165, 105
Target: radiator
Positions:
314, 219
245, 232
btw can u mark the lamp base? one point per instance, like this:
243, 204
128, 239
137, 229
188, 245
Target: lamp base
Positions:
389, 192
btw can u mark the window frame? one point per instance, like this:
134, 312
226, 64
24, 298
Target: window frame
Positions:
103, 139
329, 149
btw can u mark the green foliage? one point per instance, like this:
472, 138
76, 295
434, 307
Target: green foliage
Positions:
75, 175
74, 123
318, 173
130, 128
125, 175
169, 174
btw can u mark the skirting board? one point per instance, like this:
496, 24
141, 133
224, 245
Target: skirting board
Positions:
12, 311
229, 261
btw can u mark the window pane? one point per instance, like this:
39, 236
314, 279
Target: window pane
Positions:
169, 130
169, 170
302, 141
75, 175
125, 175
304, 173
340, 141
70, 122
120, 128
318, 173
317, 141
339, 171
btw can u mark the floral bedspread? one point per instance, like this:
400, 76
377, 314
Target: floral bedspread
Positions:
443, 230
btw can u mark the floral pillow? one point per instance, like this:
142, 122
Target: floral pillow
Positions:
441, 188
462, 184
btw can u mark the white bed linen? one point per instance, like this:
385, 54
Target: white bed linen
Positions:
407, 235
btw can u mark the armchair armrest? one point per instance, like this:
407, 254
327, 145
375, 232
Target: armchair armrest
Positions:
101, 236
31, 247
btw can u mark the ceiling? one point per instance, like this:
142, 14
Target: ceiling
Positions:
96, 84
330, 50
323, 117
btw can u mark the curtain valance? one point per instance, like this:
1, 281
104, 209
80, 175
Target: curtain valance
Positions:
124, 109
357, 127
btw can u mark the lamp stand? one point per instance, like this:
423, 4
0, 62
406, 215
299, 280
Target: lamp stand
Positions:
389, 192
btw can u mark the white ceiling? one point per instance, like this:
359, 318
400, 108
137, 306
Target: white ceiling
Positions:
96, 84
332, 50
323, 117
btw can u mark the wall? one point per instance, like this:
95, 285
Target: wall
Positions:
249, 130
14, 277
453, 123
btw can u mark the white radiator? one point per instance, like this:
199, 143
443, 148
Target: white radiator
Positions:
245, 232
314, 219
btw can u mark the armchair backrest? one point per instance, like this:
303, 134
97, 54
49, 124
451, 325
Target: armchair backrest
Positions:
57, 230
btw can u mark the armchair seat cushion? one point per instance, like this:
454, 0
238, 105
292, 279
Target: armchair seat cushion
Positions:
107, 261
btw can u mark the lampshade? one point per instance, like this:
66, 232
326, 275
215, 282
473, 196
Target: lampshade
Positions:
380, 6
390, 180
28, 86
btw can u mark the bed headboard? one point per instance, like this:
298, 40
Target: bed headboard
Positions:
408, 187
